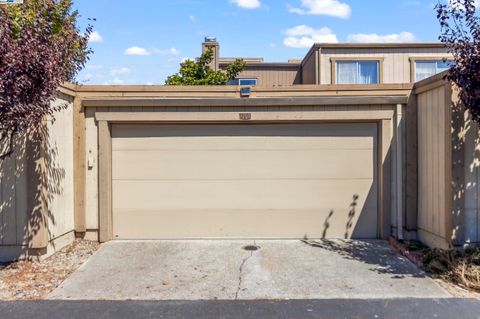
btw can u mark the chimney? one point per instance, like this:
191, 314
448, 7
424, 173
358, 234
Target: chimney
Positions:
211, 43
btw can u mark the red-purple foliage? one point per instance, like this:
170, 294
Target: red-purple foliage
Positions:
36, 56
461, 33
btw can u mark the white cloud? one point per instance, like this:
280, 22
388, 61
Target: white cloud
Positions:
115, 81
333, 8
172, 51
382, 38
144, 52
459, 5
95, 37
451, 3
303, 36
192, 18
247, 4
272, 45
137, 51
121, 70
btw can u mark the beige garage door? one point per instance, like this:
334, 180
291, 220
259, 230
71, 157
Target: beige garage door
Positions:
244, 181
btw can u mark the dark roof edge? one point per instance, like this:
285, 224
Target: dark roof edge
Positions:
268, 64
379, 45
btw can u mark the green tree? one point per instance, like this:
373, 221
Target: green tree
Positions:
200, 73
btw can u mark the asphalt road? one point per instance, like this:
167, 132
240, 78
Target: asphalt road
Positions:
301, 309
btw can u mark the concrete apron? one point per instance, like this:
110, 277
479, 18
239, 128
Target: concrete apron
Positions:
224, 270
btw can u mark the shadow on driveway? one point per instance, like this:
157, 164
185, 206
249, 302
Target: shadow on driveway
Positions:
382, 258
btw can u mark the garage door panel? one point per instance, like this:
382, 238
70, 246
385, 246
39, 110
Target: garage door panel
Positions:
246, 194
235, 137
244, 181
248, 143
129, 131
245, 224
243, 164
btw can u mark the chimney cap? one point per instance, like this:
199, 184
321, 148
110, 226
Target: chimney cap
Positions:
210, 39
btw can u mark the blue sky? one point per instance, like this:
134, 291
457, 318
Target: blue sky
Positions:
143, 41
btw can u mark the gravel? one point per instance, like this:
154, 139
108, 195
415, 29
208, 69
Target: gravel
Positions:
33, 280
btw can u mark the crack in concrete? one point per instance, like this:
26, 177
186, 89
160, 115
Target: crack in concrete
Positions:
240, 275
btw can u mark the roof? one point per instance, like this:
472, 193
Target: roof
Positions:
248, 60
294, 64
379, 45
259, 62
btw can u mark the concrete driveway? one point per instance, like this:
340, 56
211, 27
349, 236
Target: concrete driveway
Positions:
209, 270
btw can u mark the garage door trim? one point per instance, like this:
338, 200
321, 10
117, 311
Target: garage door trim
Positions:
105, 119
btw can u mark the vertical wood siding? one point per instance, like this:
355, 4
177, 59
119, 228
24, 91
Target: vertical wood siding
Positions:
272, 76
434, 167
21, 221
91, 190
309, 69
13, 186
59, 160
470, 211
466, 176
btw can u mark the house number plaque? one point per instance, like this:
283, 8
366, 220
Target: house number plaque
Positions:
245, 116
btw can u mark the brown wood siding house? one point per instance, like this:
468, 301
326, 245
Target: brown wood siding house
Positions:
298, 156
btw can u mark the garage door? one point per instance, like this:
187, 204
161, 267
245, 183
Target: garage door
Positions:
244, 181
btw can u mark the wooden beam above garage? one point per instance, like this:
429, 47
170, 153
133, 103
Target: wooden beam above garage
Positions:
229, 117
245, 102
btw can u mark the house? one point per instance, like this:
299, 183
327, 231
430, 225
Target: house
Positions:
257, 71
343, 144
345, 63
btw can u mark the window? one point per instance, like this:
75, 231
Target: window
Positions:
358, 72
245, 82
426, 69
251, 82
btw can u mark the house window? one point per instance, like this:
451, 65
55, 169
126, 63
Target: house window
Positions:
245, 82
426, 69
251, 82
358, 72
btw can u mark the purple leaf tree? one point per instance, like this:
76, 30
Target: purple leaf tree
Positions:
460, 25
41, 47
